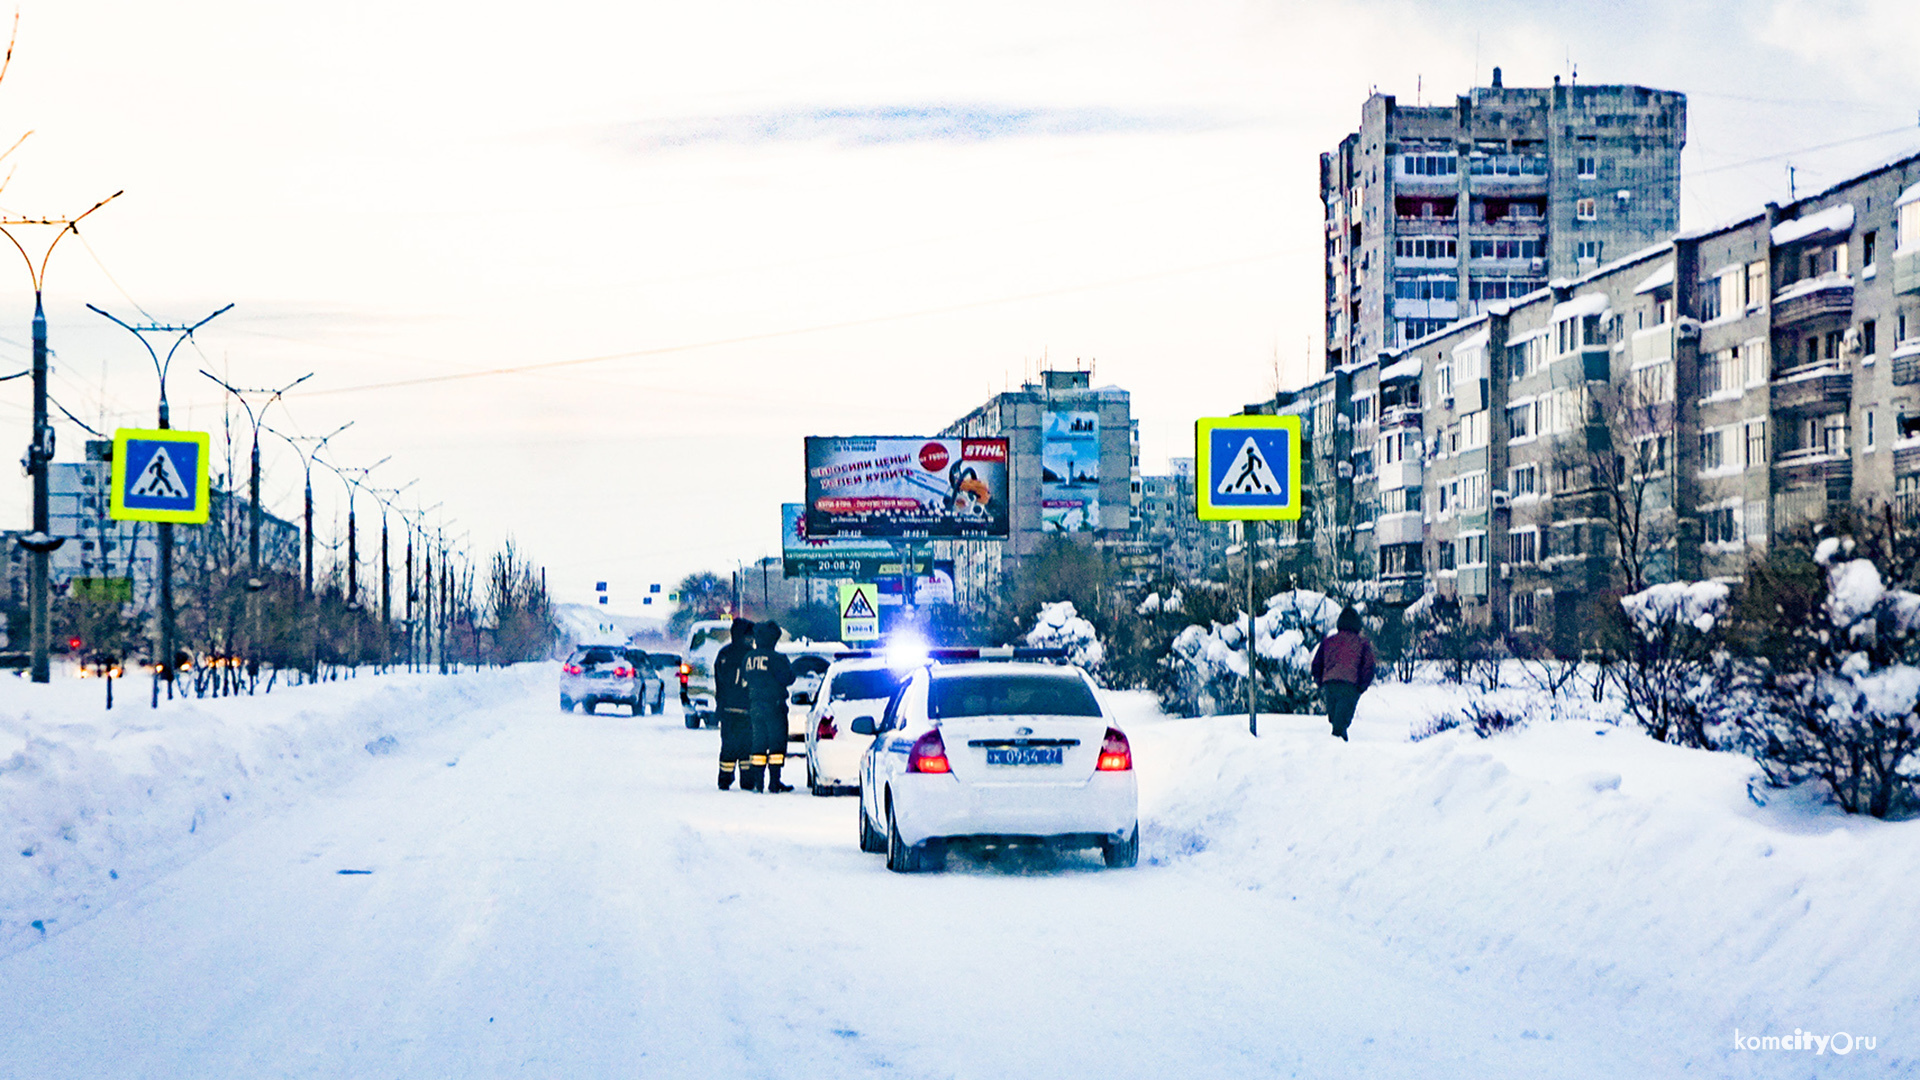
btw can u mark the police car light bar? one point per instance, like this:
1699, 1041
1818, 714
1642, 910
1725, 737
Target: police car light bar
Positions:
991, 652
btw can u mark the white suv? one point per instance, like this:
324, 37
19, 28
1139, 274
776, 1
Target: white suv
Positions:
996, 751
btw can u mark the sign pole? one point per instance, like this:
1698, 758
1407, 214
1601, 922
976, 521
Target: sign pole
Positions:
1253, 715
167, 647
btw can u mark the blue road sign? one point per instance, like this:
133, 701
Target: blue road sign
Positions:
1248, 468
160, 476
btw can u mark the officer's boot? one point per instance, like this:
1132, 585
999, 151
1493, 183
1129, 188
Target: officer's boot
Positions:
750, 777
773, 780
726, 776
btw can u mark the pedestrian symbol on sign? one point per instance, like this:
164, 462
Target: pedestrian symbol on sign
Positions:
858, 607
1249, 473
160, 479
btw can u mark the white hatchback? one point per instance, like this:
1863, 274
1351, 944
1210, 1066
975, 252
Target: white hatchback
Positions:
849, 690
996, 751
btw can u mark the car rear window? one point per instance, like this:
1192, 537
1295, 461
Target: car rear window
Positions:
1010, 695
810, 665
596, 656
858, 685
721, 634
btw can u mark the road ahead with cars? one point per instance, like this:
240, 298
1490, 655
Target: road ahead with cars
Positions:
538, 893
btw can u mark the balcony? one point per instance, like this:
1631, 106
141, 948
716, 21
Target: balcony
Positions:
1400, 591
1828, 294
1906, 272
1816, 468
1528, 227
1822, 389
1399, 416
1403, 528
1906, 457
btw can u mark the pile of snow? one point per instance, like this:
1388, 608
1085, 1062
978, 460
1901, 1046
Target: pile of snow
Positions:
1154, 605
1699, 604
1059, 626
93, 802
1572, 861
1212, 659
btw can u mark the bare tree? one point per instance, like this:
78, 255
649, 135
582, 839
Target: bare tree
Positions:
1624, 455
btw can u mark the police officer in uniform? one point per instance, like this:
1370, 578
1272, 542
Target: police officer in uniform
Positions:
768, 676
730, 699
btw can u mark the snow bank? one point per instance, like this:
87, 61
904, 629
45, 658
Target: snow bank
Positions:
1059, 626
1566, 859
93, 802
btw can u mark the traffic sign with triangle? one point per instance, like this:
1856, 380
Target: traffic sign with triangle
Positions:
1248, 473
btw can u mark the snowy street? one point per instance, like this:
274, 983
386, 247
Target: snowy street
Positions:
568, 896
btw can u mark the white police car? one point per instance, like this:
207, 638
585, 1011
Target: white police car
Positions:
851, 688
995, 751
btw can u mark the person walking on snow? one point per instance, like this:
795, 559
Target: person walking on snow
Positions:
730, 701
768, 676
1343, 669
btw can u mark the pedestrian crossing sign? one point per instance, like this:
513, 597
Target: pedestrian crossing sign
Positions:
1247, 468
859, 619
160, 476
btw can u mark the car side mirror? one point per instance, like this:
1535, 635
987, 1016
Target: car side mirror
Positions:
863, 725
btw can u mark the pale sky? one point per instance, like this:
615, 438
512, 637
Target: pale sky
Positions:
744, 223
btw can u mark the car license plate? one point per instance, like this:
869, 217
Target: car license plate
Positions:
1023, 755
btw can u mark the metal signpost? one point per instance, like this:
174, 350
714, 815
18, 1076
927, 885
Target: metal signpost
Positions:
1248, 470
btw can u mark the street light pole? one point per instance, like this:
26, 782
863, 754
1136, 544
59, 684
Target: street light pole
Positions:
160, 368
40, 452
306, 466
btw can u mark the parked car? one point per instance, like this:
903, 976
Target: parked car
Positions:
849, 689
810, 660
596, 674
651, 685
704, 640
995, 751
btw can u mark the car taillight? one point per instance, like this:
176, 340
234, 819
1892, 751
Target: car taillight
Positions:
572, 669
623, 673
929, 754
825, 730
686, 672
1115, 754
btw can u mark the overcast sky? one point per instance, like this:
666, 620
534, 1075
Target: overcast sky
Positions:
589, 272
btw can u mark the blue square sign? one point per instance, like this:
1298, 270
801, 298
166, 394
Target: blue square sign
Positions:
1248, 468
160, 476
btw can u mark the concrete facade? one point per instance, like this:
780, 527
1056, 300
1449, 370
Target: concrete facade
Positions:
1719, 389
1439, 213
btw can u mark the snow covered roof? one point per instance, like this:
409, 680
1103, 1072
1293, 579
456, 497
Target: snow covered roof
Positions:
1912, 194
1405, 369
1832, 219
1659, 279
1477, 341
1592, 303
1528, 336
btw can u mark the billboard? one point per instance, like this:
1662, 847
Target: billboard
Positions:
803, 556
902, 487
1070, 472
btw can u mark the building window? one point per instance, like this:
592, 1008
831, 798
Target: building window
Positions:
1753, 355
1587, 250
1429, 165
1650, 454
1523, 480
1443, 378
1523, 546
1720, 373
1906, 235
1712, 449
1473, 549
1869, 429
1425, 247
1587, 167
1426, 288
1653, 384
1447, 561
1709, 294
1756, 443
1524, 610
1507, 249
1473, 430
1473, 492
1906, 496
1867, 245
1586, 209
1870, 338
1520, 421
1722, 524
1400, 500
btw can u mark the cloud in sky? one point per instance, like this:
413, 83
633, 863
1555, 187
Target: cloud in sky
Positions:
894, 124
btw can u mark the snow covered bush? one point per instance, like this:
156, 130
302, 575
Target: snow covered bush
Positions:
1208, 665
1059, 626
1672, 658
1832, 697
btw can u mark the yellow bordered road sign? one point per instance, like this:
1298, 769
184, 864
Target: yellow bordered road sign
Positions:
160, 476
1247, 468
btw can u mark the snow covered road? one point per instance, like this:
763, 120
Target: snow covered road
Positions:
569, 896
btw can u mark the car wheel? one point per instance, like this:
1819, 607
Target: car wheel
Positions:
1121, 854
905, 859
813, 782
566, 703
588, 706
872, 840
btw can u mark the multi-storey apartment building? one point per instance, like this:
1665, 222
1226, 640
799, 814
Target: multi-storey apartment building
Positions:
1439, 213
1662, 416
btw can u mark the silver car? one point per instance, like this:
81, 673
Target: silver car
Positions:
599, 673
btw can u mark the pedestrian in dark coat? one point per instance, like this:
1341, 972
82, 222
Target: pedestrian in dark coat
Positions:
768, 676
730, 701
1343, 669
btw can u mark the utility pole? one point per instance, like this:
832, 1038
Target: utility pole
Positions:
306, 464
254, 582
40, 543
168, 651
